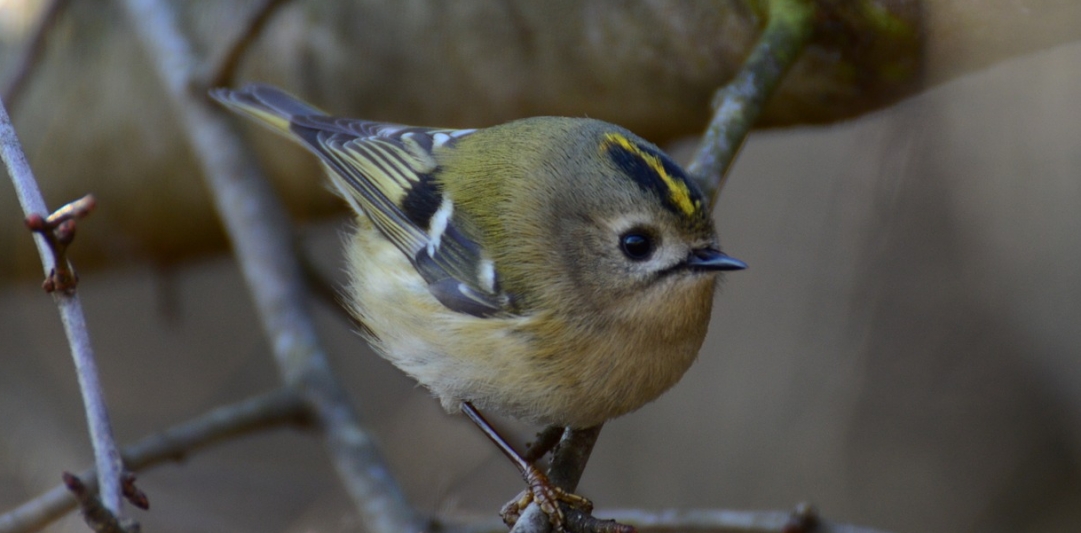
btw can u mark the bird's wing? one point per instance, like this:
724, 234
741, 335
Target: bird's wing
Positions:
387, 172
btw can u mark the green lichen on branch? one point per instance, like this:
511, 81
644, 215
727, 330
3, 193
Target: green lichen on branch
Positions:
866, 47
738, 104
883, 43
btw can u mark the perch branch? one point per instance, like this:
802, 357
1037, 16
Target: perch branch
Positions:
568, 462
258, 228
106, 456
696, 521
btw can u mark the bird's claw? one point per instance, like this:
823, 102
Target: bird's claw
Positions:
548, 497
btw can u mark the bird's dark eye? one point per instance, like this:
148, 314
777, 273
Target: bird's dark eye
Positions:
636, 245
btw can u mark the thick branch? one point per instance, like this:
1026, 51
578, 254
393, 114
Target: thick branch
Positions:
258, 228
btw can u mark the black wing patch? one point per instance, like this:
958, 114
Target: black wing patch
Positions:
422, 201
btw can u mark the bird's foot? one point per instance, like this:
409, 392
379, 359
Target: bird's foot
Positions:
547, 496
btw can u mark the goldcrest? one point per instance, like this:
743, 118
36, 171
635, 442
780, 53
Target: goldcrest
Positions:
557, 270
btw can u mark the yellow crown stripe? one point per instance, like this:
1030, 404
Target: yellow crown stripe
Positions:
678, 192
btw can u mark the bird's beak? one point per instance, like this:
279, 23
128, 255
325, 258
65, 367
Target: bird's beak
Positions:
711, 259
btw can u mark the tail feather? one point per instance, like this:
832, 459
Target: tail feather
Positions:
271, 106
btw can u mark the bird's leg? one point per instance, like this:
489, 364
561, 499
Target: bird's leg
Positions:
540, 491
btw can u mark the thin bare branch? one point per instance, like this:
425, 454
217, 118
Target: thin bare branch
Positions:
133, 494
31, 56
690, 520
223, 75
258, 227
106, 456
274, 409
738, 104
722, 521
94, 513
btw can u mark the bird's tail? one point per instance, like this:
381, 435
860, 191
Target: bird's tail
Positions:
271, 106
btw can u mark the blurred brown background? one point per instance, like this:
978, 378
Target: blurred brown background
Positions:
903, 352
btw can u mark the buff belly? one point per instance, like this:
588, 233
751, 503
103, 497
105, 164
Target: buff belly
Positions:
501, 364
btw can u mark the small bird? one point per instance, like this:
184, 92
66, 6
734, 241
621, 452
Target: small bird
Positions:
556, 270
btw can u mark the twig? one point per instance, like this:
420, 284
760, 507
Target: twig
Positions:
32, 53
689, 520
106, 456
280, 407
58, 230
226, 68
738, 104
132, 493
718, 521
94, 513
258, 227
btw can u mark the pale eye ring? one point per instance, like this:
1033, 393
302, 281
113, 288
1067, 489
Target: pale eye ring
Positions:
637, 244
